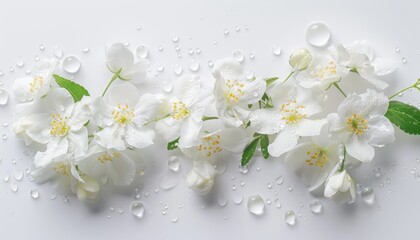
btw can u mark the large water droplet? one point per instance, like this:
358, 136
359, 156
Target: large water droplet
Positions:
20, 63
238, 56
194, 66
174, 163
318, 34
71, 64
34, 193
256, 205
276, 50
368, 195
315, 206
137, 209
168, 181
4, 97
142, 51
290, 218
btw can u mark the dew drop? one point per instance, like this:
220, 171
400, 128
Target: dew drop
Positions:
276, 50
6, 177
137, 209
160, 48
20, 63
174, 219
251, 56
368, 196
269, 185
175, 39
388, 180
174, 163
404, 60
279, 180
11, 69
14, 187
137, 193
256, 205
318, 34
41, 47
168, 181
397, 50
243, 169
290, 218
160, 68
85, 49
142, 51
238, 56
277, 203
377, 172
37, 58
34, 193
4, 139
210, 63
71, 64
178, 69
138, 28
290, 188
222, 201
18, 175
120, 210
226, 32
316, 206
237, 199
58, 52
194, 66
198, 50
190, 51
4, 97
237, 29
53, 196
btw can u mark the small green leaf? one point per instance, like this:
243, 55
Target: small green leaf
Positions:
264, 145
249, 151
249, 105
77, 91
271, 80
404, 116
248, 124
173, 144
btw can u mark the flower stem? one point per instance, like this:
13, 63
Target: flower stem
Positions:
344, 159
157, 119
115, 76
339, 89
415, 85
288, 76
206, 118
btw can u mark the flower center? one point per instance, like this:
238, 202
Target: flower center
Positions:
292, 112
59, 125
357, 124
35, 84
234, 92
318, 157
123, 114
104, 157
324, 71
210, 145
180, 110
62, 169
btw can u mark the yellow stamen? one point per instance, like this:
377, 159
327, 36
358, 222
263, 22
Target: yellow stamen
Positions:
123, 114
108, 156
292, 112
210, 145
35, 84
325, 71
62, 169
235, 91
180, 110
357, 124
59, 125
317, 157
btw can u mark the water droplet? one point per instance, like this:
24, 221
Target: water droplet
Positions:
190, 51
6, 177
18, 175
14, 187
138, 28
142, 51
246, 27
198, 50
37, 58
34, 193
174, 219
20, 63
58, 52
276, 50
377, 172
177, 48
11, 69
66, 199
160, 68
268, 201
237, 199
233, 187
160, 48
85, 49
225, 217
243, 169
71, 64
258, 169
1, 73
318, 34
397, 49
290, 218
256, 205
168, 181
368, 195
404, 60
174, 163
4, 97
120, 210
194, 66
146, 194
315, 206
242, 184
277, 203
222, 201
237, 29
41, 47
279, 180
137, 209
388, 180
53, 196
290, 188
175, 39
210, 63
238, 56
251, 56
177, 69
269, 185
226, 32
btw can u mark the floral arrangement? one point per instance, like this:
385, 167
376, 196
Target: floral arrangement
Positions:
87, 140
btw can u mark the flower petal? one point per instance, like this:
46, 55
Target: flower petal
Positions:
189, 133
136, 71
233, 139
359, 149
380, 131
139, 137
284, 142
125, 93
227, 69
122, 170
309, 127
266, 121
110, 137
119, 57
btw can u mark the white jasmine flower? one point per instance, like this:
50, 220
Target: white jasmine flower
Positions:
60, 127
201, 177
31, 88
360, 124
340, 187
233, 92
290, 118
313, 161
185, 112
120, 61
358, 57
322, 72
103, 163
122, 115
300, 59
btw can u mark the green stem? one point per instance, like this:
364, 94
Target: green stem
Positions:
90, 135
206, 118
157, 119
415, 85
287, 78
339, 89
115, 76
344, 159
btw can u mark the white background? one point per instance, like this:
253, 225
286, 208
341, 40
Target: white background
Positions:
72, 24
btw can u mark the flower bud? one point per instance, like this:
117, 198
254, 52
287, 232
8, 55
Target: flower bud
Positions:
201, 177
300, 59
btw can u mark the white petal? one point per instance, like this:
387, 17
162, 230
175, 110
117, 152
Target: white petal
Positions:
189, 133
139, 137
188, 89
359, 149
81, 114
253, 90
122, 170
78, 142
169, 128
59, 100
149, 107
266, 121
309, 127
372, 79
125, 93
136, 71
119, 57
380, 131
110, 137
54, 149
233, 139
227, 69
284, 142
351, 104
384, 66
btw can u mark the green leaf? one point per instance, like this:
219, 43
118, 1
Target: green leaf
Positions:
77, 91
173, 144
249, 151
404, 116
271, 80
264, 145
